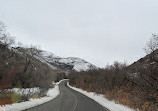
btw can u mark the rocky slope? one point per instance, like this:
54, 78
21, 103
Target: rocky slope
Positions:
66, 64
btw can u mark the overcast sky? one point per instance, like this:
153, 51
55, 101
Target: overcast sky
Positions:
99, 31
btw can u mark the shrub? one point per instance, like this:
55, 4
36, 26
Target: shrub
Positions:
5, 100
118, 83
15, 98
35, 96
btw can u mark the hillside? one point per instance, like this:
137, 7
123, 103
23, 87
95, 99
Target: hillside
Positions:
31, 67
19, 69
135, 85
150, 59
59, 63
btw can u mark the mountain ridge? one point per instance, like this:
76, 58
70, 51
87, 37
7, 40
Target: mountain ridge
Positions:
57, 62
68, 63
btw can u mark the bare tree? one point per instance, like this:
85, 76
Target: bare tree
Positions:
5, 38
33, 49
2, 27
152, 48
20, 44
2, 31
152, 44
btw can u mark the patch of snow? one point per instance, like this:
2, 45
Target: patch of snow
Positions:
153, 63
47, 54
6, 63
133, 75
44, 61
82, 66
22, 91
61, 81
77, 63
111, 105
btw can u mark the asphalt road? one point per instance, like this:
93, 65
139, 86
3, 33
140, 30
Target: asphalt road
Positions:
69, 100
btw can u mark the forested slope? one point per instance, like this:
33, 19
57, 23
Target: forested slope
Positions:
19, 69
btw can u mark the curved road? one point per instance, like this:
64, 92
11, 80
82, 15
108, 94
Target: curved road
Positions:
69, 100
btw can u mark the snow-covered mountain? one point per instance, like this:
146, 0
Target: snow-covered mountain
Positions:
70, 63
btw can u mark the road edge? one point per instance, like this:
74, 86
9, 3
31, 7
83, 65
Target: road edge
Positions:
33, 102
106, 104
73, 88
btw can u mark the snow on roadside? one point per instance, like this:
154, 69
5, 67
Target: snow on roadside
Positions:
22, 91
51, 94
61, 81
111, 105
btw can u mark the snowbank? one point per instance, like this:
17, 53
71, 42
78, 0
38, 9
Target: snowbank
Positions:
61, 81
51, 94
22, 91
111, 105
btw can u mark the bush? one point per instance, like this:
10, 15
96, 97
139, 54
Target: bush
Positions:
5, 100
15, 98
35, 96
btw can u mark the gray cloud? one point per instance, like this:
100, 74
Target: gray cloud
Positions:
99, 31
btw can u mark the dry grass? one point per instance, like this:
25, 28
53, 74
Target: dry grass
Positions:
9, 98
